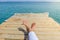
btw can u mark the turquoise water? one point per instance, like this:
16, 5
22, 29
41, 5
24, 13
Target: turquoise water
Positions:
7, 9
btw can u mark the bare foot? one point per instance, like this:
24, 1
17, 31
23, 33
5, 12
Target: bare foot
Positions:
29, 29
33, 26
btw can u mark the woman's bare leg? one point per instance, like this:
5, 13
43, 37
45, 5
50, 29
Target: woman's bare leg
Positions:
31, 34
25, 23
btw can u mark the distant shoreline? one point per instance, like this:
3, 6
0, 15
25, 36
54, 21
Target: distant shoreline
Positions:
30, 2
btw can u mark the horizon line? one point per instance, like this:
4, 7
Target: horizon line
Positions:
26, 1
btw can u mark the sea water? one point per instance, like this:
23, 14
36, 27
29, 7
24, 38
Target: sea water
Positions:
7, 9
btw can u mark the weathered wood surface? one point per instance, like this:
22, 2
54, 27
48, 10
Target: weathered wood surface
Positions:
46, 27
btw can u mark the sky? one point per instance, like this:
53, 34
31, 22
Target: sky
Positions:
30, 0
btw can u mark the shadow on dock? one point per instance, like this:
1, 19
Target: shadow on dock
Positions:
25, 33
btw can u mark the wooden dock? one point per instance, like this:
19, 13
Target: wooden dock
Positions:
46, 27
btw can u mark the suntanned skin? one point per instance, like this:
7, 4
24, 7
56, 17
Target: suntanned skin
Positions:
29, 29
